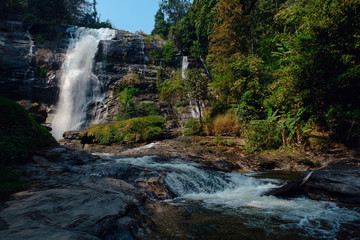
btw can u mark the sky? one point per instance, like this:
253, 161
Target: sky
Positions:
129, 15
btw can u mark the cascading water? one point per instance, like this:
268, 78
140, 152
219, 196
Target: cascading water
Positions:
196, 111
80, 89
231, 205
29, 74
184, 67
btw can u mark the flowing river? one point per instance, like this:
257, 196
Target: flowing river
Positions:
217, 205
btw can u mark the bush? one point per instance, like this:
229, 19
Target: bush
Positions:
20, 134
193, 127
262, 136
141, 129
225, 125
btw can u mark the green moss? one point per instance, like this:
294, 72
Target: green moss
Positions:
9, 181
223, 142
20, 134
140, 129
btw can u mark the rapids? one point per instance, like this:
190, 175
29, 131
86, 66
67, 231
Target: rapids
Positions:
218, 205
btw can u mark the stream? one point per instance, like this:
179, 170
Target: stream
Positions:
210, 204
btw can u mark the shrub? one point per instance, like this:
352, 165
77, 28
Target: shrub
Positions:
225, 125
20, 134
263, 134
146, 109
193, 127
140, 129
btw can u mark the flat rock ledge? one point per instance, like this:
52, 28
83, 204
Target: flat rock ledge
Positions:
61, 204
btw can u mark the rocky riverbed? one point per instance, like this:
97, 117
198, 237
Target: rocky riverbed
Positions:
76, 195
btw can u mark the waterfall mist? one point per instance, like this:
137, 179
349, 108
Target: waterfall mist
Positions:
80, 89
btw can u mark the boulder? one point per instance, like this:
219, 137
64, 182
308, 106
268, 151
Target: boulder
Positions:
338, 182
67, 204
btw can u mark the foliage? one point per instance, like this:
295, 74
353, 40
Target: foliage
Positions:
225, 125
263, 134
12, 6
222, 142
127, 105
20, 135
168, 54
192, 127
175, 10
9, 181
141, 129
172, 90
196, 88
161, 27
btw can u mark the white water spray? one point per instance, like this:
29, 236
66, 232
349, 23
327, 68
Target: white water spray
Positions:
241, 196
79, 86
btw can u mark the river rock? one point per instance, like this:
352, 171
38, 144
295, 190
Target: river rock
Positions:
337, 182
63, 203
72, 135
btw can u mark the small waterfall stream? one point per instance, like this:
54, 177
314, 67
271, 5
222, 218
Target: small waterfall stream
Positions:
29, 75
194, 109
80, 90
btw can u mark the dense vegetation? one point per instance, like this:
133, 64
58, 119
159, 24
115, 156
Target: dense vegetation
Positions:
286, 68
20, 136
46, 15
134, 130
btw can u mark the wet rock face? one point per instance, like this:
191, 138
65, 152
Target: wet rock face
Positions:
337, 182
31, 69
28, 69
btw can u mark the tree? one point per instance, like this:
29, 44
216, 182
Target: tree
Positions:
174, 10
46, 12
76, 10
196, 86
161, 27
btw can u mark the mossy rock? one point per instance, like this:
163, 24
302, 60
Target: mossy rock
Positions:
20, 134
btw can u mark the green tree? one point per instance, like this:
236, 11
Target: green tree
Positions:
45, 12
196, 87
174, 10
161, 27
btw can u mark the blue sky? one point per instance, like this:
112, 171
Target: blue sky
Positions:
129, 15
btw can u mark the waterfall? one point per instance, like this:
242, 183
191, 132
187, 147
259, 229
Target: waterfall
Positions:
80, 90
184, 67
205, 67
29, 75
194, 110
143, 57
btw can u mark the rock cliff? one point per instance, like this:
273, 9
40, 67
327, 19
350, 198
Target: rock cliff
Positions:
30, 67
